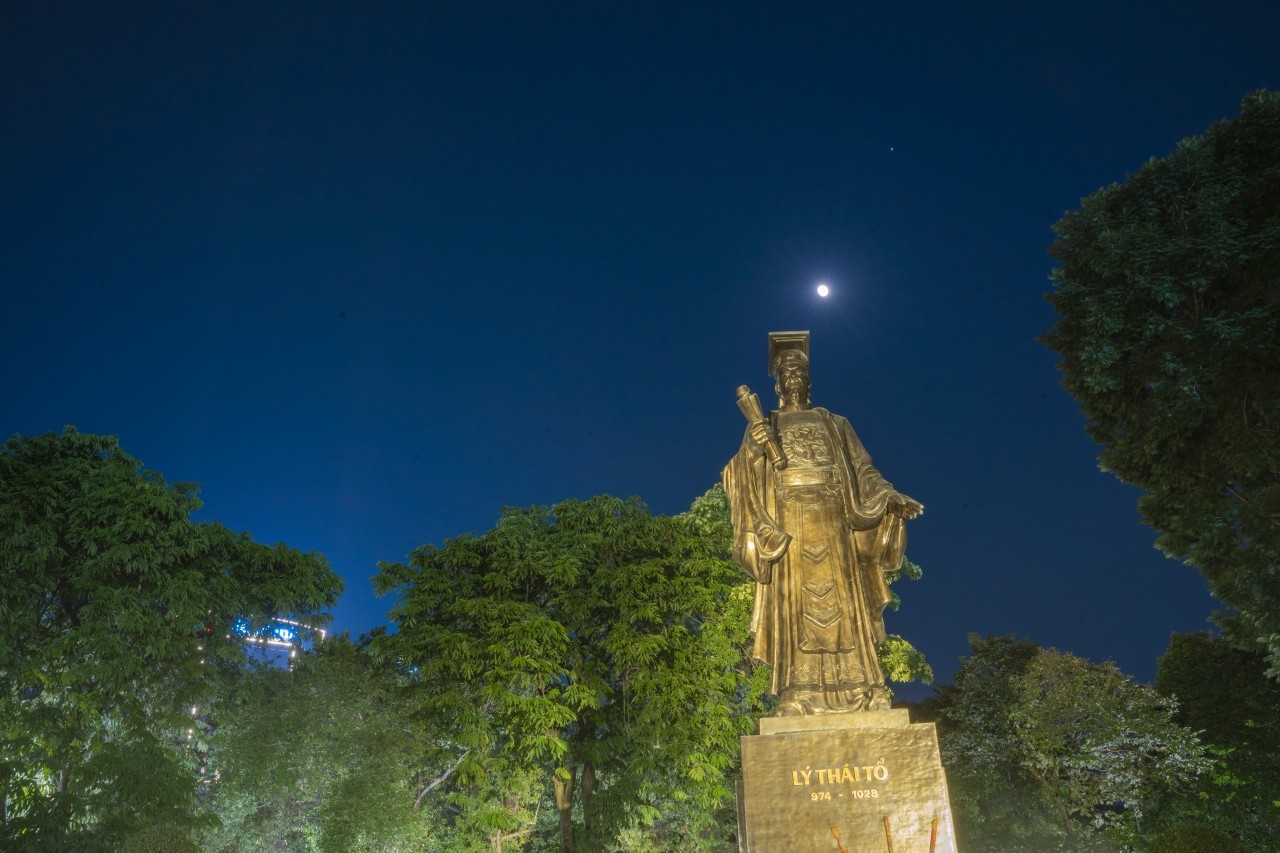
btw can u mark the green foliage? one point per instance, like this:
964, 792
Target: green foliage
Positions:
328, 756
905, 569
1169, 332
1224, 694
163, 838
997, 805
902, 662
1045, 749
593, 644
1194, 838
709, 516
114, 615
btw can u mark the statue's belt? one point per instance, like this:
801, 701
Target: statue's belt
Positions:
808, 477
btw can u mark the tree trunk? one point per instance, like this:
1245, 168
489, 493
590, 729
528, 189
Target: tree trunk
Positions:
1062, 813
588, 809
564, 803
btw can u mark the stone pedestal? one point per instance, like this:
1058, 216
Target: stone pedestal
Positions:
871, 777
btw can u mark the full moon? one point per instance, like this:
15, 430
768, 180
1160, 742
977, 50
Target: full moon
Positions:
823, 290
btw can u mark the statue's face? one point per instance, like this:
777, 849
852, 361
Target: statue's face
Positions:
793, 383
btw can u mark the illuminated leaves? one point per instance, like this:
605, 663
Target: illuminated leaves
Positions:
592, 639
1097, 748
111, 602
328, 756
903, 662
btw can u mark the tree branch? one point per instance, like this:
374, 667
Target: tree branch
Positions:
439, 780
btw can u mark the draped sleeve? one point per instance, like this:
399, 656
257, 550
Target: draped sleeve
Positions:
758, 540
880, 537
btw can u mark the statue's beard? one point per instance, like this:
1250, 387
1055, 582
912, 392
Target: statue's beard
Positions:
795, 399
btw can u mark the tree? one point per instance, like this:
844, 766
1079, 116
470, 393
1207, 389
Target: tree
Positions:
115, 613
1224, 694
901, 661
1074, 742
1168, 297
997, 805
325, 756
1192, 838
595, 645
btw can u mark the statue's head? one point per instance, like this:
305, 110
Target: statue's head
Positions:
791, 367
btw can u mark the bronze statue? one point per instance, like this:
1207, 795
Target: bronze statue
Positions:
816, 526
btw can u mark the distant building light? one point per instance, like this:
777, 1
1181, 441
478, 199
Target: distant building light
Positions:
274, 635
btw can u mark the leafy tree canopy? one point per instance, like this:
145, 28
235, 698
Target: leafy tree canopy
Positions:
594, 644
1168, 297
1224, 694
1066, 742
115, 612
327, 756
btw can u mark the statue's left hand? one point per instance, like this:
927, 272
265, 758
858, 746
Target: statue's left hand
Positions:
904, 507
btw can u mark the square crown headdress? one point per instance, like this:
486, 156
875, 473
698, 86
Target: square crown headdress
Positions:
780, 342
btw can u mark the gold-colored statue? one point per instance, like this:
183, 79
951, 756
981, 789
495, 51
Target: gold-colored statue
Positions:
816, 526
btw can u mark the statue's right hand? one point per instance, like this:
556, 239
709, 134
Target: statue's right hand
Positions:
759, 433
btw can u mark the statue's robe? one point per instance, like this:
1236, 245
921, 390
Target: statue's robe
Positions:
817, 540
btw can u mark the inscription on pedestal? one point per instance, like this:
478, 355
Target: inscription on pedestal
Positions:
867, 781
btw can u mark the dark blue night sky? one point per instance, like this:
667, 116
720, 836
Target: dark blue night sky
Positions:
370, 272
